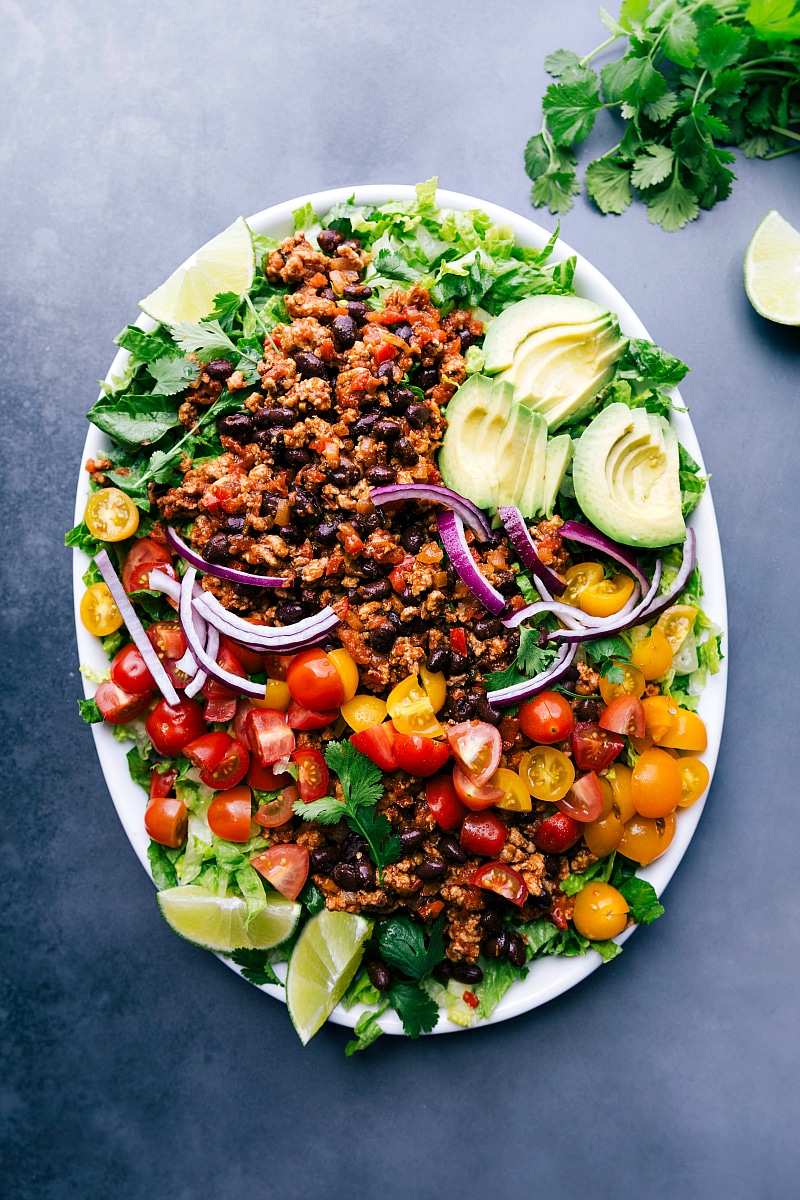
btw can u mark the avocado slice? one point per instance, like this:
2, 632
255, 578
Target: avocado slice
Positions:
466, 459
515, 449
520, 320
563, 381
626, 477
559, 455
531, 497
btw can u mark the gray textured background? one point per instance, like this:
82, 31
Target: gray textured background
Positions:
138, 1067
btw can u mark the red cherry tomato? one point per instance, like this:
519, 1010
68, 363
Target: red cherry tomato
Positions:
222, 700
264, 779
147, 553
557, 833
548, 718
129, 671
230, 770
285, 867
306, 718
584, 800
268, 735
166, 821
229, 815
483, 833
206, 751
458, 641
475, 798
166, 638
314, 681
593, 748
443, 802
273, 813
420, 755
312, 774
161, 782
476, 747
503, 880
171, 727
118, 706
378, 745
243, 707
624, 715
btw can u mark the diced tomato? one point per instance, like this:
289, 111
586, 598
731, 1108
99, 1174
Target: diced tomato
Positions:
314, 681
458, 641
230, 770
264, 779
420, 755
117, 706
206, 751
273, 813
483, 833
312, 774
221, 711
476, 747
624, 715
557, 833
225, 494
378, 745
166, 638
558, 913
166, 820
161, 782
147, 552
476, 798
584, 800
268, 735
243, 707
383, 352
593, 748
129, 671
398, 578
171, 727
222, 700
306, 718
284, 866
470, 999
229, 815
502, 879
444, 803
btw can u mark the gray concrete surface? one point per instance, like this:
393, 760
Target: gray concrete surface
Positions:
136, 1066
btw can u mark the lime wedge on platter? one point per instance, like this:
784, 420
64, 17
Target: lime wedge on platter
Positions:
772, 270
218, 922
325, 959
225, 264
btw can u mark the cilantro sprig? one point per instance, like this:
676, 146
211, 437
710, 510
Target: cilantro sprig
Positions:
695, 77
531, 659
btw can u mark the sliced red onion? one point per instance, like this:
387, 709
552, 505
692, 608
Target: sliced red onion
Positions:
617, 622
539, 683
662, 603
525, 547
586, 535
326, 619
451, 531
228, 573
136, 629
204, 660
284, 640
159, 581
572, 617
470, 514
200, 676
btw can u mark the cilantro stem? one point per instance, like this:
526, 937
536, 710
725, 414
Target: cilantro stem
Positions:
780, 153
587, 58
785, 132
259, 321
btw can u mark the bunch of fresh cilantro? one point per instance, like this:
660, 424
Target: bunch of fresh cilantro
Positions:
696, 77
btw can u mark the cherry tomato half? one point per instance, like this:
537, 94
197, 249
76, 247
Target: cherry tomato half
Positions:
646, 838
268, 735
119, 706
285, 867
144, 552
607, 596
656, 784
348, 672
99, 612
362, 712
377, 743
503, 880
171, 727
278, 811
629, 681
516, 797
207, 750
161, 782
689, 733
129, 670
315, 682
166, 821
411, 709
476, 747
584, 800
476, 798
547, 718
230, 770
111, 515
694, 780
264, 779
624, 715
600, 912
222, 700
420, 755
447, 809
306, 718
313, 776
652, 655
547, 772
229, 815
483, 833
557, 833
166, 638
660, 716
594, 749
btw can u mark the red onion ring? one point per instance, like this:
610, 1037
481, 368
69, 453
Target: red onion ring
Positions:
539, 683
585, 535
470, 514
204, 660
525, 547
451, 531
681, 580
325, 619
200, 676
228, 573
286, 639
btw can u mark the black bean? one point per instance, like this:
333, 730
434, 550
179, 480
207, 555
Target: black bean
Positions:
358, 311
309, 366
439, 660
381, 476
289, 612
383, 637
451, 848
431, 868
326, 533
516, 950
466, 972
492, 922
356, 291
266, 418
443, 970
418, 415
426, 377
366, 523
352, 877
386, 370
219, 368
386, 430
466, 339
233, 524
402, 397
353, 845
406, 453
569, 680
487, 627
306, 505
290, 533
296, 457
485, 712
216, 549
377, 589
403, 330
363, 426
411, 838
589, 709
461, 707
310, 599
323, 859
354, 242
329, 239
369, 569
238, 426
344, 331
459, 663
552, 865
327, 294
495, 947
346, 473
412, 539
544, 900
379, 975
506, 584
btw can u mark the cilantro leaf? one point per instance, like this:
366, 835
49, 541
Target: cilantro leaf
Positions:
653, 166
609, 184
774, 19
206, 339
532, 658
571, 107
89, 711
172, 375
327, 810
403, 946
607, 647
414, 1007
255, 966
673, 207
361, 779
557, 63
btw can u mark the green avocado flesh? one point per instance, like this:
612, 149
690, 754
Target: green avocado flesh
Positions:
626, 477
558, 351
495, 450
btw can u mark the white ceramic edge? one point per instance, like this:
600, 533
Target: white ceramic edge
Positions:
549, 977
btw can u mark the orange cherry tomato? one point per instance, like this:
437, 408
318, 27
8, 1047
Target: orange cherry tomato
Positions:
652, 655
166, 821
111, 515
619, 779
604, 835
646, 838
689, 733
516, 797
629, 682
99, 612
229, 814
476, 798
694, 780
547, 772
655, 784
600, 911
660, 716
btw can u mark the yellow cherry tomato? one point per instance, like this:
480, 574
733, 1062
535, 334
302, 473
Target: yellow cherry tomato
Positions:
603, 835
655, 784
631, 682
348, 671
652, 655
676, 624
660, 716
111, 515
516, 797
694, 780
607, 597
618, 776
547, 772
362, 712
688, 733
411, 710
434, 685
601, 911
99, 612
581, 576
277, 696
646, 838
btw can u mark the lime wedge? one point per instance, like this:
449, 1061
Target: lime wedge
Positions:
225, 264
772, 270
217, 922
325, 959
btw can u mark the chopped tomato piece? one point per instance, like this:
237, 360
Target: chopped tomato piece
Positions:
264, 779
285, 867
312, 774
144, 555
398, 578
306, 718
166, 821
222, 700
584, 800
383, 352
268, 735
378, 745
161, 782
503, 880
458, 641
444, 803
118, 706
